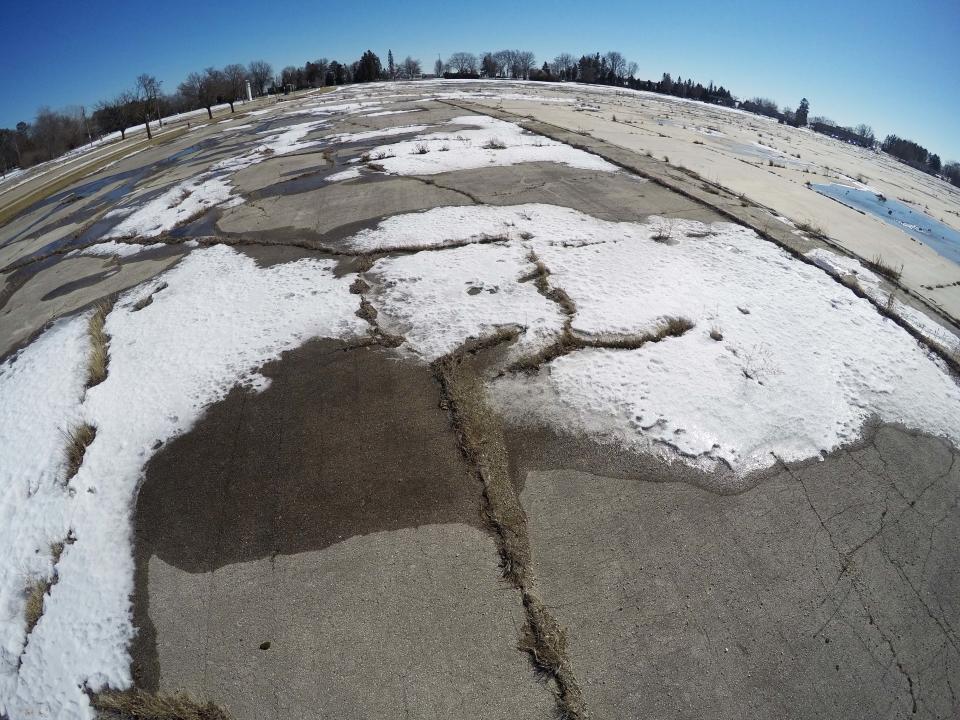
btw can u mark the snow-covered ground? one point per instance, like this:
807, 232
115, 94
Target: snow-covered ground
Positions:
484, 142
439, 299
872, 285
218, 320
801, 366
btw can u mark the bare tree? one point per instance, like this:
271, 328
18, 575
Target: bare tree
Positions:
202, 89
114, 115
563, 65
438, 67
410, 68
260, 75
463, 63
631, 69
616, 63
235, 83
525, 61
148, 96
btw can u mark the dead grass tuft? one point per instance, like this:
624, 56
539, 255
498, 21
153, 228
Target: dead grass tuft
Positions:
811, 228
495, 144
367, 311
480, 435
99, 341
78, 439
140, 705
882, 267
663, 233
34, 606
421, 149
359, 286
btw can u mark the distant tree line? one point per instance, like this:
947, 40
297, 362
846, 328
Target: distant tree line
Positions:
53, 133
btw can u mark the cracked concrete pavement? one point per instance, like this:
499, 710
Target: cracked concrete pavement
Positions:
320, 549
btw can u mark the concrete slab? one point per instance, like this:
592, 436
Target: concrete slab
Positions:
409, 623
829, 590
38, 293
334, 517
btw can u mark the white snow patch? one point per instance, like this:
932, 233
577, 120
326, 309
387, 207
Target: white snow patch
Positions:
393, 112
465, 149
177, 205
872, 285
802, 365
457, 224
438, 300
120, 249
347, 174
218, 321
371, 134
42, 387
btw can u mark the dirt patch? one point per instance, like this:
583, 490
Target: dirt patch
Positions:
344, 442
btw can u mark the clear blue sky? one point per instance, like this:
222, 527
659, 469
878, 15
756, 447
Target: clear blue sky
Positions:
890, 63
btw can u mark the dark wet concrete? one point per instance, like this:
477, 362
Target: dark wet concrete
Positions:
344, 442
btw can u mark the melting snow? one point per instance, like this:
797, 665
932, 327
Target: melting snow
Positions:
168, 362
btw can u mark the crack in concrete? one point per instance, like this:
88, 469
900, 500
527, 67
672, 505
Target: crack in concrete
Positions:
569, 340
481, 441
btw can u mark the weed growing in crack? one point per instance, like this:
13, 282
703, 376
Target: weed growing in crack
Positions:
480, 435
77, 441
882, 267
359, 286
811, 228
99, 340
367, 311
33, 610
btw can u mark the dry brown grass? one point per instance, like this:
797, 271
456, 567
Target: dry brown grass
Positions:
140, 705
367, 311
495, 144
34, 607
882, 267
480, 435
77, 440
359, 286
99, 342
811, 228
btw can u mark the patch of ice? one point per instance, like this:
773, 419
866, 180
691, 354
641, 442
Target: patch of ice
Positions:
219, 320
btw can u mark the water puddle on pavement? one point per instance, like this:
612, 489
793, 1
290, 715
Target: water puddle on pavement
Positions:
915, 223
